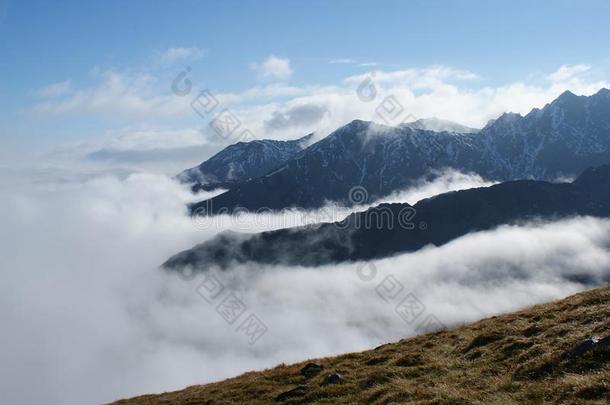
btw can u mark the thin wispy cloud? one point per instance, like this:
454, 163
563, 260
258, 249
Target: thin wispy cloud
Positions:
55, 90
172, 55
116, 95
142, 138
344, 61
416, 76
273, 68
567, 72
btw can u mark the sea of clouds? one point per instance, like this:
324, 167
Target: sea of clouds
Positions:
88, 316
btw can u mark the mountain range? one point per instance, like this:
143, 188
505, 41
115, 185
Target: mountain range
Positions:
240, 162
245, 160
390, 229
439, 125
560, 140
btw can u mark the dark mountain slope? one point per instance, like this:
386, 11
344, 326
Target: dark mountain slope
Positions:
390, 229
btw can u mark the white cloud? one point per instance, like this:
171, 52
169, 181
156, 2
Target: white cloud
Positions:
153, 138
436, 91
344, 61
91, 305
567, 72
273, 68
416, 77
272, 91
300, 116
447, 180
55, 90
172, 55
135, 148
119, 95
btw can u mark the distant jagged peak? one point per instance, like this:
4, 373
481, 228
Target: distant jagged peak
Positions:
306, 140
243, 160
505, 118
566, 95
510, 116
356, 124
367, 129
440, 125
603, 92
568, 99
565, 100
303, 140
353, 128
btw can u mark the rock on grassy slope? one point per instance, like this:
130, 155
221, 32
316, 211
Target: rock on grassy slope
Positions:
551, 353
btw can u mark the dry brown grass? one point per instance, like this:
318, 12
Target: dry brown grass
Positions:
510, 359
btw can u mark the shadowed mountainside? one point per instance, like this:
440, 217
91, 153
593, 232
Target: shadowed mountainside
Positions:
390, 229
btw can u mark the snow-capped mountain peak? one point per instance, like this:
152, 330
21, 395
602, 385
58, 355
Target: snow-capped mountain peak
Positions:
241, 161
439, 125
560, 140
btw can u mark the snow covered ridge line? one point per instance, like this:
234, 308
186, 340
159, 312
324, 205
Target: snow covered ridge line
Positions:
560, 140
374, 217
240, 162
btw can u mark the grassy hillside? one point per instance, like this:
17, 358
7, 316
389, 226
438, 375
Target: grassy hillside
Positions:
538, 355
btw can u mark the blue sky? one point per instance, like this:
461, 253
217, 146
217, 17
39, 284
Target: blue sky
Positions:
77, 48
